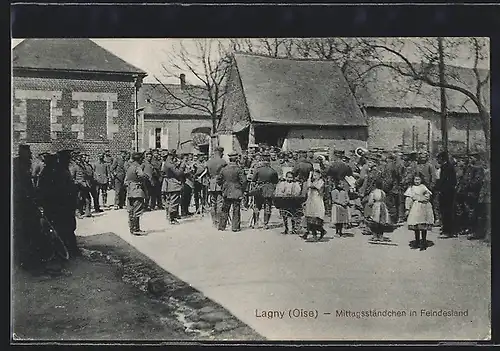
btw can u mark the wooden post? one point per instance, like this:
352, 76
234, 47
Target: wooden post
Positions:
416, 140
403, 140
444, 124
413, 146
468, 136
429, 137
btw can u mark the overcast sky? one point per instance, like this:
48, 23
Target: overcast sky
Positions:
148, 54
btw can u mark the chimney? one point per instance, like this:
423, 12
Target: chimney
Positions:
182, 77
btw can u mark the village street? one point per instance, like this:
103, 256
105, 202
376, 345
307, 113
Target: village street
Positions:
256, 271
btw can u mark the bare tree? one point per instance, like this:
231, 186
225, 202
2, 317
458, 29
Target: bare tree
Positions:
427, 72
352, 55
209, 63
272, 47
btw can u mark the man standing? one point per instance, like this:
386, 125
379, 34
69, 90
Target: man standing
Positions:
156, 161
25, 215
277, 164
148, 169
102, 177
188, 185
446, 193
134, 180
172, 186
199, 191
234, 182
302, 168
118, 177
64, 204
81, 180
473, 181
89, 173
484, 208
265, 179
214, 166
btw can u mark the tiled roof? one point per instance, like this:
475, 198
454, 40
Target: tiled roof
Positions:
384, 87
297, 92
69, 55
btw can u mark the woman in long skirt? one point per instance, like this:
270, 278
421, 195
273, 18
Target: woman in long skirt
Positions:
340, 208
378, 218
419, 211
315, 207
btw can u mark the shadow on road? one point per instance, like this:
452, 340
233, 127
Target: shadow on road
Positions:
413, 244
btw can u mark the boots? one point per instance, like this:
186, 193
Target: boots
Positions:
417, 238
267, 216
256, 219
322, 232
423, 243
137, 229
131, 225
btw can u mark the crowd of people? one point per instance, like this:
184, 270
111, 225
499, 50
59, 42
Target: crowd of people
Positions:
376, 190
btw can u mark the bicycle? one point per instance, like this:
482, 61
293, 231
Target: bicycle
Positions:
55, 245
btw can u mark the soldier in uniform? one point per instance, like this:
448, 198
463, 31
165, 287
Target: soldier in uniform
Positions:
64, 203
484, 208
188, 185
302, 168
156, 161
25, 215
199, 193
276, 165
89, 173
265, 179
446, 187
391, 187
81, 180
214, 166
102, 177
148, 170
118, 176
172, 187
233, 181
37, 167
471, 186
134, 181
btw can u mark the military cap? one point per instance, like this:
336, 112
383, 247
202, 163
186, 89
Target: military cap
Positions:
339, 152
219, 149
137, 156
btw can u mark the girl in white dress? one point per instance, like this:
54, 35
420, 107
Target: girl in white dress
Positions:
420, 216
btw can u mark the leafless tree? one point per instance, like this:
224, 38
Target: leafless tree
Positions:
209, 63
427, 72
272, 47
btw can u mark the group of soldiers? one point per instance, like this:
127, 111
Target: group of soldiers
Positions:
68, 183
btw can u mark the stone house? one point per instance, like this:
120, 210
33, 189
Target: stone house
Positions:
72, 93
289, 103
170, 119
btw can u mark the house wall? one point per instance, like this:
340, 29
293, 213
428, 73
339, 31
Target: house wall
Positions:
386, 129
178, 131
52, 114
345, 138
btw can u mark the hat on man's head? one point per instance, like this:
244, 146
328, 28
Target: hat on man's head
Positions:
219, 149
136, 156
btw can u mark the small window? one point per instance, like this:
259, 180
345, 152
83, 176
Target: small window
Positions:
158, 138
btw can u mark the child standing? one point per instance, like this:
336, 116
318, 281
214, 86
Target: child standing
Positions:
378, 218
340, 208
419, 211
315, 207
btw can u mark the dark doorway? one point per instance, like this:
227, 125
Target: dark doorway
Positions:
271, 135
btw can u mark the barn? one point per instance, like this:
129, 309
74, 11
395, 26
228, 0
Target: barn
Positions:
404, 113
72, 93
289, 103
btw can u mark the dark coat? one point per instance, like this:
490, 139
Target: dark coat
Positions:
233, 180
214, 166
302, 170
172, 177
428, 174
338, 170
266, 178
148, 169
134, 181
77, 171
118, 168
447, 182
102, 174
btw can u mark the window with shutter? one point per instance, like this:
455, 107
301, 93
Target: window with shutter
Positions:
164, 138
158, 138
151, 140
